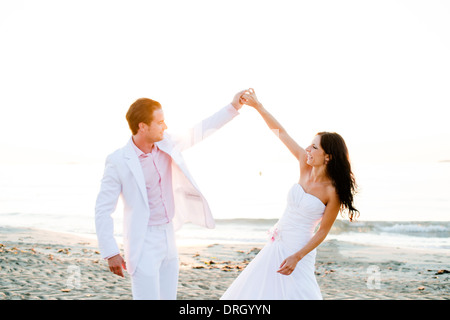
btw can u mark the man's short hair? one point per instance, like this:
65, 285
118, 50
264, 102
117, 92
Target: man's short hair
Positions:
141, 111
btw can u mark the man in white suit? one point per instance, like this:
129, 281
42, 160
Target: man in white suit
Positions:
159, 195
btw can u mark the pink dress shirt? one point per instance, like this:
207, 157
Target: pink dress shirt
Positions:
157, 169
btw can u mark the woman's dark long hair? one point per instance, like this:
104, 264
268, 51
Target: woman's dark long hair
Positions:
340, 171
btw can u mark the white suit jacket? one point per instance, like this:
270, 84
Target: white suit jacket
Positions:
123, 176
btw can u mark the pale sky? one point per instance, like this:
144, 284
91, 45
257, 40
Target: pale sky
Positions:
377, 72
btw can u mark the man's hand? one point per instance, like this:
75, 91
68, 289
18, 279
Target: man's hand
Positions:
116, 263
237, 102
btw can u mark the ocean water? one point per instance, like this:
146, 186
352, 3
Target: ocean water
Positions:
401, 205
432, 235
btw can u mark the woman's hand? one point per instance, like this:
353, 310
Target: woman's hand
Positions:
288, 265
249, 98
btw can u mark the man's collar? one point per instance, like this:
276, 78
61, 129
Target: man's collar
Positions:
139, 152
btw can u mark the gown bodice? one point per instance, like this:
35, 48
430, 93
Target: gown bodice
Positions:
302, 215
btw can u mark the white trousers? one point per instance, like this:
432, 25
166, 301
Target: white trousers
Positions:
156, 275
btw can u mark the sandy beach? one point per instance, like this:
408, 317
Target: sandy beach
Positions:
43, 265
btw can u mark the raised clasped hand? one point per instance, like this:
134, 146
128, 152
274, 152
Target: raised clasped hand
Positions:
249, 98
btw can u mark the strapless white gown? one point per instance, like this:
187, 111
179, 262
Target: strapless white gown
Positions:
260, 279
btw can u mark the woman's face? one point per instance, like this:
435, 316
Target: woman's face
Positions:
316, 155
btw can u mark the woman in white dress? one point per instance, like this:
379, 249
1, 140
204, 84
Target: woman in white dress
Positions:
284, 268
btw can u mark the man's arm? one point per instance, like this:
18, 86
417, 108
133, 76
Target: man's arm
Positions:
209, 125
105, 205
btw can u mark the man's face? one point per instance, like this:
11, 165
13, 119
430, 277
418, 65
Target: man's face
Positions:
155, 131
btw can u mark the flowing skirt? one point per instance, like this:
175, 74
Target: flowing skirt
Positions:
261, 281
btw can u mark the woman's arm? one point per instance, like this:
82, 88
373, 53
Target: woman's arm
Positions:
298, 152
